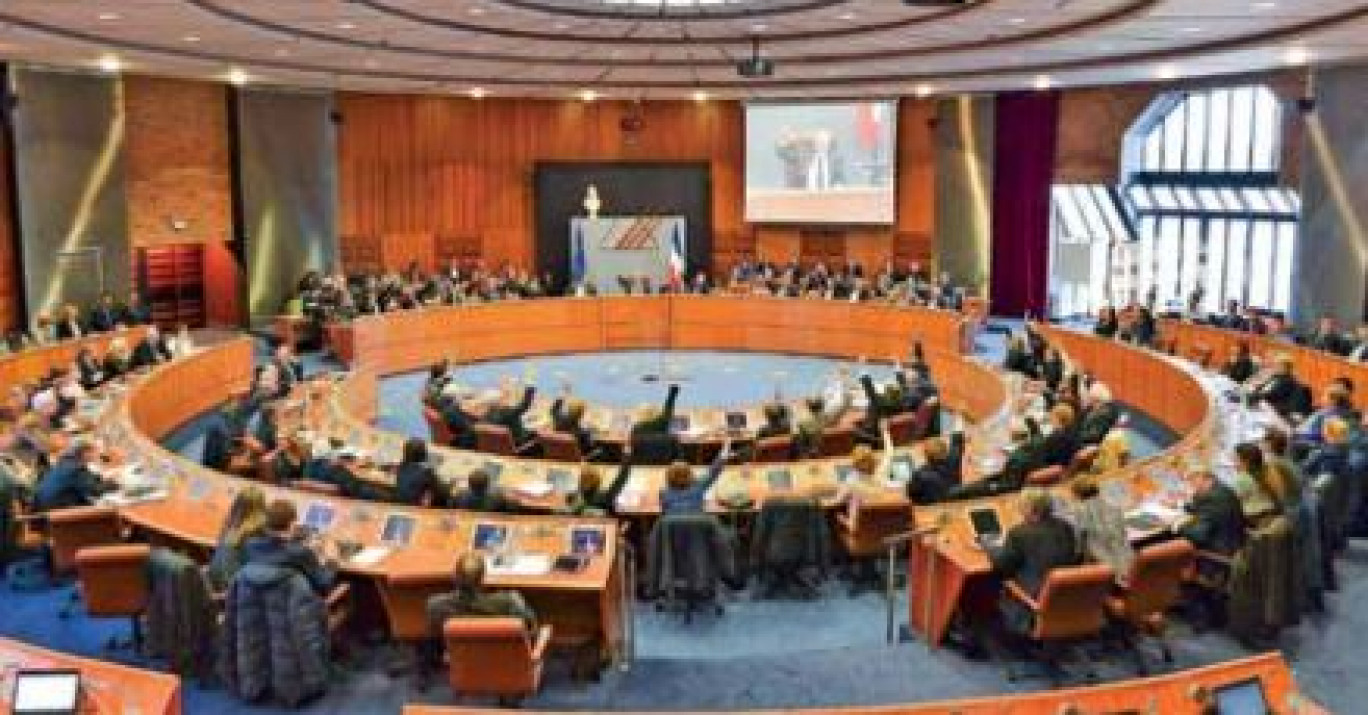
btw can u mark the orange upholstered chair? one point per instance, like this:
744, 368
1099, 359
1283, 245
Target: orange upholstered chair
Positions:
1045, 476
495, 656
437, 427
773, 449
73, 529
836, 442
497, 439
1071, 607
114, 584
405, 597
1154, 585
862, 529
560, 446
903, 428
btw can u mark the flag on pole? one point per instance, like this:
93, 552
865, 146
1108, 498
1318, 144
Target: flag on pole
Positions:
676, 258
578, 265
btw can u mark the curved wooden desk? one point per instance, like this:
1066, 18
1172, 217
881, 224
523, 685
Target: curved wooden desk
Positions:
198, 500
948, 567
1315, 368
35, 363
1172, 694
106, 687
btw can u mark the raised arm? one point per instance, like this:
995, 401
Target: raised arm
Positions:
886, 461
667, 412
619, 482
715, 469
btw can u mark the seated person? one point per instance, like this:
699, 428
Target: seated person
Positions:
461, 412
471, 598
1281, 390
290, 368
879, 406
591, 499
281, 544
69, 325
940, 472
1113, 453
89, 368
870, 469
152, 350
1327, 337
777, 422
1061, 442
1338, 403
567, 417
1041, 543
70, 482
1107, 324
415, 482
481, 494
135, 312
509, 411
1023, 457
651, 438
1101, 527
439, 376
1052, 369
1263, 491
223, 436
1214, 519
1240, 367
1100, 415
656, 421
682, 494
246, 519
104, 317
1019, 359
1332, 456
810, 428
118, 359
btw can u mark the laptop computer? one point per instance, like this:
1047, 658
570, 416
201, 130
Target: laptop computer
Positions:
46, 692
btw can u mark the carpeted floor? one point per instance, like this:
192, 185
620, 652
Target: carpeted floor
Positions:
761, 654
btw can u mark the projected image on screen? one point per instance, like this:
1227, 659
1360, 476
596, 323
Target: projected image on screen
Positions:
821, 162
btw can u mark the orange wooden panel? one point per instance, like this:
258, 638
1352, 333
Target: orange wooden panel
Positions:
109, 687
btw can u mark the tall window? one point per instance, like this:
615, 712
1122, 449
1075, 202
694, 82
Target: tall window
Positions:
1202, 215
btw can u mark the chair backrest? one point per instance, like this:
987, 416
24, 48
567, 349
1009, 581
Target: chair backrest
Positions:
494, 439
1072, 602
1045, 476
405, 596
790, 530
773, 449
561, 446
926, 417
437, 427
489, 656
836, 442
71, 530
1156, 579
316, 487
114, 579
903, 428
872, 523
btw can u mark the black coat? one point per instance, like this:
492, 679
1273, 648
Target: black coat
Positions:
415, 480
511, 416
1027, 556
1097, 422
1217, 522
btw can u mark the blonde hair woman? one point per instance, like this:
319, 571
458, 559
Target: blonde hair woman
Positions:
246, 518
1113, 453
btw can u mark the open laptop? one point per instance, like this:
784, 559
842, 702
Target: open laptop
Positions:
46, 692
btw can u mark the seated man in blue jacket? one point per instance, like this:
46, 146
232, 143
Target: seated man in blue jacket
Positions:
682, 494
70, 482
283, 546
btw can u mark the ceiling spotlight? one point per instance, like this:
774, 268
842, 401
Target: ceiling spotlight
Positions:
923, 90
700, 96
346, 25
477, 93
1265, 5
1296, 56
110, 64
1166, 72
237, 77
1192, 30
109, 16
1017, 21
588, 95
191, 38
847, 16
1043, 82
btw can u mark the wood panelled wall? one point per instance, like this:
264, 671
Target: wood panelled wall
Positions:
447, 176
11, 287
176, 161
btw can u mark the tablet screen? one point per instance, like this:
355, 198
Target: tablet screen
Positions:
780, 480
587, 541
985, 522
46, 692
736, 420
398, 530
489, 537
493, 469
319, 516
1243, 698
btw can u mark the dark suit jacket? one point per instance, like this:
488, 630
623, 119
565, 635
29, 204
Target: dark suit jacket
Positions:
92, 373
68, 483
661, 423
1218, 521
66, 330
512, 416
102, 320
1020, 361
561, 422
1058, 447
1240, 369
149, 352
271, 550
1032, 550
413, 481
1281, 393
492, 501
461, 424
1097, 422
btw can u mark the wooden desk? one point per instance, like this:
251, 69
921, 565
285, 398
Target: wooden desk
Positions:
1315, 368
108, 688
948, 570
30, 365
1170, 694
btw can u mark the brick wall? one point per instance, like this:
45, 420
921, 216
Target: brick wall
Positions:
176, 161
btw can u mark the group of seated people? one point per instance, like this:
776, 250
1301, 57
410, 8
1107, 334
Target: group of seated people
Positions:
105, 316
908, 284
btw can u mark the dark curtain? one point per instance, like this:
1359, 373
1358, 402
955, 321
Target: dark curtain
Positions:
1024, 145
627, 189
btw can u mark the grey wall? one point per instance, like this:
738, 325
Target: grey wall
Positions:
1330, 266
69, 131
964, 188
288, 174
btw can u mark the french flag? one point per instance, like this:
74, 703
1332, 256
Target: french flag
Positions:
676, 259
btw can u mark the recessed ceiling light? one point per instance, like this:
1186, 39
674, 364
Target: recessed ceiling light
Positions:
477, 93
758, 27
191, 38
1296, 56
1192, 30
1017, 21
110, 64
588, 95
346, 25
1043, 82
1166, 72
237, 77
847, 16
477, 10
109, 16
700, 96
923, 90
1265, 5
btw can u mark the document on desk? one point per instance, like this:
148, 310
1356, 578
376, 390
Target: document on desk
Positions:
371, 555
523, 564
535, 490
1157, 512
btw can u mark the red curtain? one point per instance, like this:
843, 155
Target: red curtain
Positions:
1025, 131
